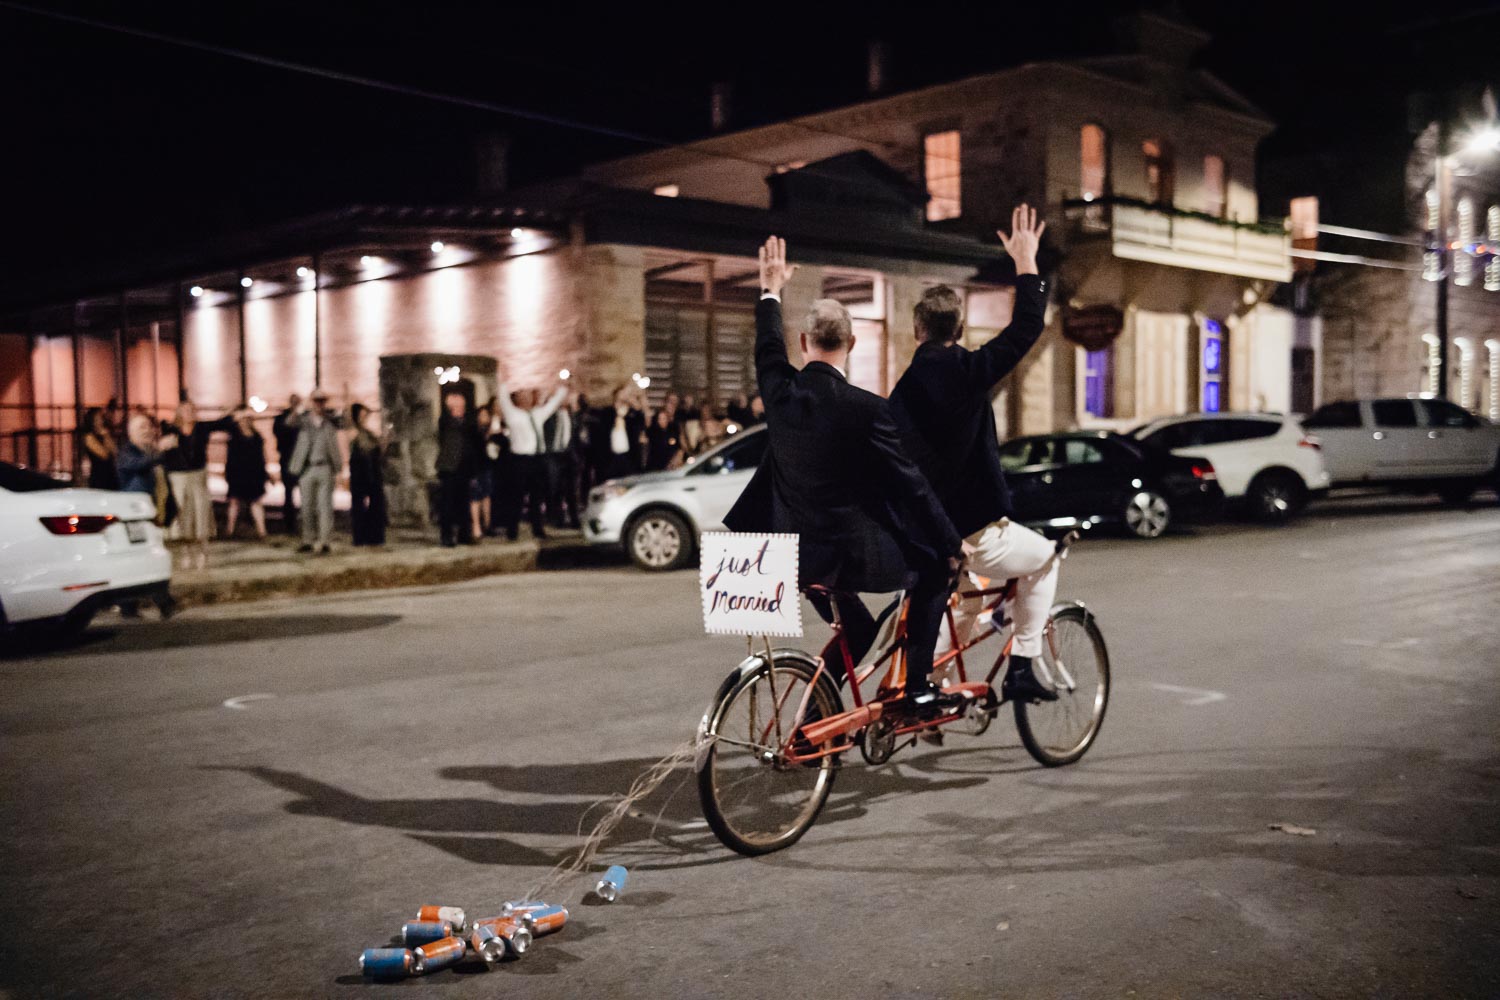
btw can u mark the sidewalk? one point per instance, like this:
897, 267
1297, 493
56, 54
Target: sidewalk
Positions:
247, 570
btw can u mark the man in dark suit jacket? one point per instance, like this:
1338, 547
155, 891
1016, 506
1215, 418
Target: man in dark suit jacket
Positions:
835, 474
942, 404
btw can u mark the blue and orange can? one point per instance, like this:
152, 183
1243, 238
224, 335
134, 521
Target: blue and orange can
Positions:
522, 906
546, 921
388, 963
512, 929
440, 954
451, 915
415, 932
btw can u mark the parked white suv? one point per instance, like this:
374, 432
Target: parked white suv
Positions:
658, 516
1413, 445
1265, 461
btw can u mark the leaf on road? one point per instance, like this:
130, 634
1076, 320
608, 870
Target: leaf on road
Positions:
1296, 831
1003, 925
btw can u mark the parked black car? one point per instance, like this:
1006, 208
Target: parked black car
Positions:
1096, 477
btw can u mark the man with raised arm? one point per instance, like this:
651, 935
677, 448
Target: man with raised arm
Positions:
835, 474
942, 404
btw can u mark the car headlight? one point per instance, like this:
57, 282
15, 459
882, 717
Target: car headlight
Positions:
608, 491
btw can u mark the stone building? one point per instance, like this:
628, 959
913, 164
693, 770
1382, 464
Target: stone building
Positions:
1145, 170
1369, 301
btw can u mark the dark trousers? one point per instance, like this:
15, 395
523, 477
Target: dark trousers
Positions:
367, 516
928, 599
289, 503
454, 523
529, 490
563, 494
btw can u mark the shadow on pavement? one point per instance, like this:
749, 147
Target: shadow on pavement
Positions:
179, 633
1378, 812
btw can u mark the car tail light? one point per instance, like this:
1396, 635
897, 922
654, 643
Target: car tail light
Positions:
1204, 470
1308, 441
78, 524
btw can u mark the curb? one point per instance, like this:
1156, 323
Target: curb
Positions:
335, 574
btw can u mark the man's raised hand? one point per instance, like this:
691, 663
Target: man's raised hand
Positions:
775, 272
1025, 236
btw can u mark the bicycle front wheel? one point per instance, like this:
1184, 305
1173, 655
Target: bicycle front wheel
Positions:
1075, 663
753, 799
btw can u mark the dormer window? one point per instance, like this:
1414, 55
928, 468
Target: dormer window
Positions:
1159, 171
1215, 186
942, 166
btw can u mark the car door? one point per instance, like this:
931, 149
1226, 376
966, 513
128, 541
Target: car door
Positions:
1458, 444
1350, 447
1029, 472
720, 479
1402, 449
1090, 478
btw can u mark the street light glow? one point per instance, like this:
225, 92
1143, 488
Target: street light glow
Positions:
517, 233
246, 281
196, 291
304, 272
1485, 139
437, 246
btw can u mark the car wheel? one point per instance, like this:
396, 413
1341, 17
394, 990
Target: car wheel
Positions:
1147, 514
1276, 496
659, 540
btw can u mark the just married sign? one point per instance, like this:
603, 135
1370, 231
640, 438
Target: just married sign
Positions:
749, 584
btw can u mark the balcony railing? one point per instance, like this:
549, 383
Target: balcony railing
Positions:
1158, 234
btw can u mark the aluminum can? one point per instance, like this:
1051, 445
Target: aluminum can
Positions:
388, 963
612, 884
546, 921
487, 944
415, 932
513, 930
452, 915
522, 906
440, 954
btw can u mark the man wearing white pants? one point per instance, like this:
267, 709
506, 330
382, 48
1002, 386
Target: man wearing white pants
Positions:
942, 406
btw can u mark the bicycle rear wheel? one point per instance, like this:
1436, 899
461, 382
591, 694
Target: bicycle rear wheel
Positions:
753, 800
1075, 663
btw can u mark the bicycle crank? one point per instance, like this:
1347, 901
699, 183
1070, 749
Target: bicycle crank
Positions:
879, 741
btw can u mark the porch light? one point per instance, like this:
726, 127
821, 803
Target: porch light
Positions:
246, 281
437, 246
564, 374
196, 291
517, 233
257, 404
1484, 139
304, 272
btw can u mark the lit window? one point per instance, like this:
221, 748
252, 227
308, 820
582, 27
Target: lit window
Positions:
1305, 219
1432, 267
1492, 269
1213, 366
1463, 257
1158, 157
1215, 185
1098, 382
666, 190
943, 164
1094, 162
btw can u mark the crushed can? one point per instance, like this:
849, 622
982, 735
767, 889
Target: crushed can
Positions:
415, 932
612, 883
440, 954
451, 915
389, 963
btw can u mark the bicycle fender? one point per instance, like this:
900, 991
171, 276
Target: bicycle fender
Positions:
1062, 606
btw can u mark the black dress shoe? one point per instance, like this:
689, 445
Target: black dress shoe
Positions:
1020, 683
927, 699
304, 548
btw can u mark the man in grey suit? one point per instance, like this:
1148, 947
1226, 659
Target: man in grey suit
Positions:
317, 462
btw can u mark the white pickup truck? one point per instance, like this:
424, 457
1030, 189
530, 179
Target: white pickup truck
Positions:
1413, 445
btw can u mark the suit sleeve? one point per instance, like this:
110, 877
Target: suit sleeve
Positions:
910, 489
993, 361
773, 372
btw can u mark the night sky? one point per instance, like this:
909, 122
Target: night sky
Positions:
115, 144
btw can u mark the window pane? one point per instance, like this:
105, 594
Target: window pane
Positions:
748, 454
1334, 415
1158, 157
943, 168
1215, 185
1076, 452
1441, 413
1013, 455
1395, 413
1094, 180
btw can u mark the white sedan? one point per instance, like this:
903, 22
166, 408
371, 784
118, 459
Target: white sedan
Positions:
67, 553
658, 516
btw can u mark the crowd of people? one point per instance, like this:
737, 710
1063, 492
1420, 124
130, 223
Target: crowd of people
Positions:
526, 456
520, 456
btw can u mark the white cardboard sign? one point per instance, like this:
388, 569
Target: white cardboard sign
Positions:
749, 584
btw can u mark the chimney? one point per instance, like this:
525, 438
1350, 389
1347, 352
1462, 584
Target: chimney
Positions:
878, 55
492, 163
719, 106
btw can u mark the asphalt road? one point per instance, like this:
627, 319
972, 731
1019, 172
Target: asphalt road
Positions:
444, 745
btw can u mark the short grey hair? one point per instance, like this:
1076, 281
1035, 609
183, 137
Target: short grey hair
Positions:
829, 326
